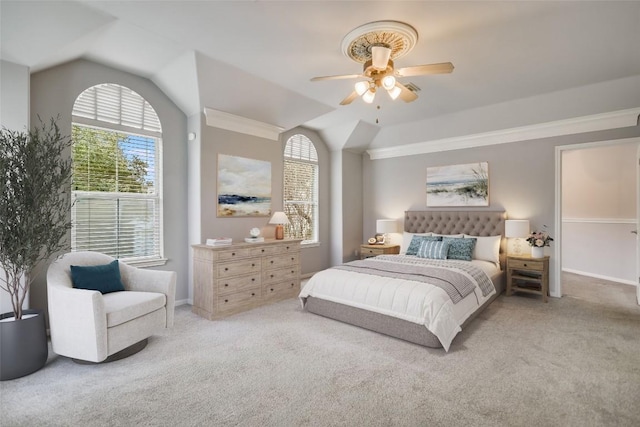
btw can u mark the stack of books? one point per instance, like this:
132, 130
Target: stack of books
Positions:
219, 241
254, 239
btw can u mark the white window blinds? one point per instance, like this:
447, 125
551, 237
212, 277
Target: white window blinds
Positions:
301, 189
117, 206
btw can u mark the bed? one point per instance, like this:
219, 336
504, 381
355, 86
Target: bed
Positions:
394, 294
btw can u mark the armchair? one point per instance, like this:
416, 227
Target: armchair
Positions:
90, 326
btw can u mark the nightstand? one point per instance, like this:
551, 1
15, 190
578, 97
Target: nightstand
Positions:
368, 251
526, 274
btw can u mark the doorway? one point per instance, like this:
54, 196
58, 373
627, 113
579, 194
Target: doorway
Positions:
589, 212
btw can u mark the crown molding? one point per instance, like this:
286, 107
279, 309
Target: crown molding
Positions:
227, 121
596, 122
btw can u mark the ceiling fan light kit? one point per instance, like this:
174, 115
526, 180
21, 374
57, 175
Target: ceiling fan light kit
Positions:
376, 45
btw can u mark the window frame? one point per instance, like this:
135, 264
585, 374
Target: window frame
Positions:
141, 261
316, 190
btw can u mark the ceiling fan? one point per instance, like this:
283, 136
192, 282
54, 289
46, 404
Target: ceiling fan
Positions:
376, 45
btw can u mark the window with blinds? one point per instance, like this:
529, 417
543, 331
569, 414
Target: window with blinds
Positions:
301, 189
117, 195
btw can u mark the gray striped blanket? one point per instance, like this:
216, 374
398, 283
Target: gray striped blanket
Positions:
457, 278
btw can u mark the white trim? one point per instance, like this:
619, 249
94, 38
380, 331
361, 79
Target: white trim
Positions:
227, 121
142, 263
599, 276
183, 302
600, 220
596, 122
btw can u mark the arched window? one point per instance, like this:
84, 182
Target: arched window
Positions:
301, 189
117, 188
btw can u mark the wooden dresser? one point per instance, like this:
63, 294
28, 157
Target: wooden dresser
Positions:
233, 278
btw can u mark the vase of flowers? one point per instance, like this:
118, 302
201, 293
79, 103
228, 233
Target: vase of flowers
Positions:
538, 240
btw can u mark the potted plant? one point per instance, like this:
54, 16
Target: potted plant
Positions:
35, 185
538, 240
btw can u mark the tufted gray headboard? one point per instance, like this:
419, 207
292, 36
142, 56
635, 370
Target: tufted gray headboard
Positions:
474, 223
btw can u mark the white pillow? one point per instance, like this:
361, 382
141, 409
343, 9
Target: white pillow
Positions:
406, 240
487, 248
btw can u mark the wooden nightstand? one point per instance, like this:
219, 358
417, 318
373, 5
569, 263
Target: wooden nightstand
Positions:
368, 251
526, 274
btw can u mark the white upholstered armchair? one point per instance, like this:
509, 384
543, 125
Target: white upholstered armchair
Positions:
91, 326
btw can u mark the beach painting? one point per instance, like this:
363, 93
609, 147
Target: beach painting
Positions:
244, 187
458, 185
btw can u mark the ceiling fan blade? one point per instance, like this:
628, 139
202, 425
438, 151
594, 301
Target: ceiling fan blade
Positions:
406, 95
349, 99
341, 76
417, 70
380, 57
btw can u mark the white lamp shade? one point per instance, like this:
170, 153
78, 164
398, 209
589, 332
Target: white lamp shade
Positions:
279, 218
394, 92
368, 96
516, 228
386, 226
389, 82
361, 87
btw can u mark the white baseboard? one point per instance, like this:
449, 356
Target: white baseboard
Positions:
183, 302
599, 276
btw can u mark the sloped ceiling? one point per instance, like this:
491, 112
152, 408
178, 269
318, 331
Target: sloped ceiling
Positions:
255, 59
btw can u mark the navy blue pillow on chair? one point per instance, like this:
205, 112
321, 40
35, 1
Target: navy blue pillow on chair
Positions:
103, 278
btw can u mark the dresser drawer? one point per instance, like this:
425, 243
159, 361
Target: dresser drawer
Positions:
235, 284
525, 264
238, 301
281, 290
262, 250
236, 268
279, 275
372, 251
286, 248
279, 261
229, 254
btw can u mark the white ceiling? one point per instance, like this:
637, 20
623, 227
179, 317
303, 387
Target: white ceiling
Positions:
255, 58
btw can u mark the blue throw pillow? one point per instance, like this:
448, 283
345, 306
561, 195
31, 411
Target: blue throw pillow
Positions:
433, 249
103, 278
417, 240
461, 249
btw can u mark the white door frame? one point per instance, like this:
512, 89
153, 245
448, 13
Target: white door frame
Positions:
557, 251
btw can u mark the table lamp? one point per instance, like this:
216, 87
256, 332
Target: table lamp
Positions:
516, 229
279, 218
386, 226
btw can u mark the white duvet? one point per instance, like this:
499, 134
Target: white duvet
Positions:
415, 302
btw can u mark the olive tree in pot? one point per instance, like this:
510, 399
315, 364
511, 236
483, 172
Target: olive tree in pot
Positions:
35, 186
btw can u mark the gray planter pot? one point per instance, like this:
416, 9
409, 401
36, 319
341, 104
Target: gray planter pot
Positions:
23, 345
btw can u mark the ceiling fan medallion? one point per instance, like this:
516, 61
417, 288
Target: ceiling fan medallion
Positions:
395, 35
376, 45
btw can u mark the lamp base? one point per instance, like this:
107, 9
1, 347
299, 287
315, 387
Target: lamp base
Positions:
279, 232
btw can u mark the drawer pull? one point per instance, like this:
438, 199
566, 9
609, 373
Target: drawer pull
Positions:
263, 251
292, 285
292, 258
226, 285
253, 294
525, 264
287, 247
226, 269
226, 300
233, 254
253, 279
253, 265
272, 276
292, 271
271, 289
271, 261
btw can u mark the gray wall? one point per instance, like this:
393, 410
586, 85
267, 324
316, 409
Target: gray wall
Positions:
53, 92
14, 115
521, 179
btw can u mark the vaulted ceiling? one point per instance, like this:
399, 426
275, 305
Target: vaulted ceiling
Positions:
255, 58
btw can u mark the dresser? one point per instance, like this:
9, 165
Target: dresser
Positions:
229, 279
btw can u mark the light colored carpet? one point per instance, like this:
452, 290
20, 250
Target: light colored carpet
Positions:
570, 362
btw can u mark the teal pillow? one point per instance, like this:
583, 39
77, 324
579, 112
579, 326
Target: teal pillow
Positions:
461, 249
417, 240
103, 278
433, 249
